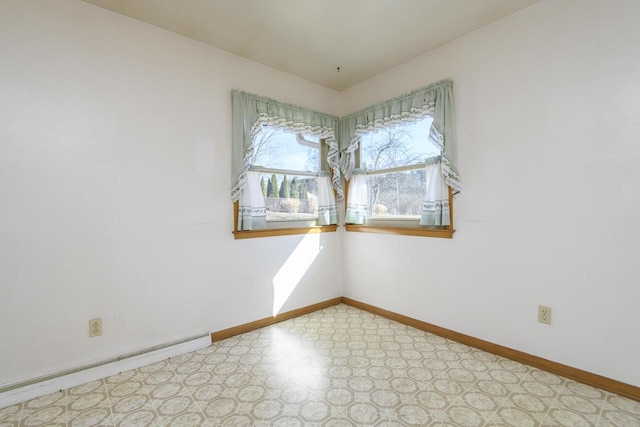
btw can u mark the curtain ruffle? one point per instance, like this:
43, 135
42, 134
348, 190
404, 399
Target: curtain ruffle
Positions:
251, 113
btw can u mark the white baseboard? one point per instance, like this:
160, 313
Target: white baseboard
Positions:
39, 389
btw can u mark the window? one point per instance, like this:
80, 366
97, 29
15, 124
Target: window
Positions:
291, 168
288, 164
293, 149
392, 160
386, 198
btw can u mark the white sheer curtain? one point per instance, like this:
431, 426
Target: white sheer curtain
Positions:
327, 211
252, 214
435, 209
357, 199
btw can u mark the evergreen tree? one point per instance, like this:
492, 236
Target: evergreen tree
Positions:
303, 190
295, 193
272, 189
285, 190
263, 187
269, 189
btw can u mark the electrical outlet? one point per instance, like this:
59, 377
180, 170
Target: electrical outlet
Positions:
544, 314
95, 327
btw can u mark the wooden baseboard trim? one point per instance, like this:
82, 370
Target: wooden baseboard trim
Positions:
579, 375
251, 326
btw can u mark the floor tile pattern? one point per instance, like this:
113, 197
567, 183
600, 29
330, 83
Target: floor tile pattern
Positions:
336, 367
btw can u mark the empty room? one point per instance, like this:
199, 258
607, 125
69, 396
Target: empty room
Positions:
319, 213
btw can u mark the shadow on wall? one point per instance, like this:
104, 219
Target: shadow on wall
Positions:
294, 268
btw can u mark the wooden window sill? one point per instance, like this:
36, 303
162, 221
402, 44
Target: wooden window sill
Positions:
284, 231
444, 233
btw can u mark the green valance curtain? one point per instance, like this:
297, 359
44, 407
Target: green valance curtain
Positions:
251, 112
435, 100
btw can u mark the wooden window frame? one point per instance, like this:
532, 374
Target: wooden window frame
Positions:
271, 232
445, 232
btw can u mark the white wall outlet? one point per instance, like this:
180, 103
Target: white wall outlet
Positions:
544, 314
95, 327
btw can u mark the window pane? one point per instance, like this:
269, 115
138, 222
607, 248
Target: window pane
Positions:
277, 149
398, 194
291, 197
400, 145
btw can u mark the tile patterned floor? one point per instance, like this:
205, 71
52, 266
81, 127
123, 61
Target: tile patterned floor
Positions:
335, 367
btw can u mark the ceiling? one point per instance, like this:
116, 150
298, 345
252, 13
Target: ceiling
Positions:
312, 38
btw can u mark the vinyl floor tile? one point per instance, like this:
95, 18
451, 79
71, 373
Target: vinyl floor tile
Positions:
336, 367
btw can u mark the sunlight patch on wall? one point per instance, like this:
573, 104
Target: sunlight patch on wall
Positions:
291, 272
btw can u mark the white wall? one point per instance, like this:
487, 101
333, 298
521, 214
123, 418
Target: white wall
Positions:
114, 183
549, 150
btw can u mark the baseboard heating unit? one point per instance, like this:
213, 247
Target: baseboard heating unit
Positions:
11, 394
